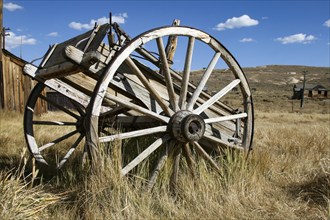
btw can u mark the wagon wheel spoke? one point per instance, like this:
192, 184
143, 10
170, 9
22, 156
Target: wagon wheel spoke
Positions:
225, 118
216, 97
175, 168
71, 150
206, 156
58, 123
149, 87
78, 107
159, 166
189, 159
220, 142
203, 81
59, 107
186, 73
132, 134
149, 150
166, 71
51, 143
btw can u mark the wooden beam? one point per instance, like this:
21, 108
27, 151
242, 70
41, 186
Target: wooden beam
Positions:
1, 7
137, 160
1, 70
172, 44
81, 58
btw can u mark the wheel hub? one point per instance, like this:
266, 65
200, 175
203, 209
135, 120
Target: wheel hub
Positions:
186, 127
82, 124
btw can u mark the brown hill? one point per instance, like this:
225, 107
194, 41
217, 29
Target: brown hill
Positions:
272, 86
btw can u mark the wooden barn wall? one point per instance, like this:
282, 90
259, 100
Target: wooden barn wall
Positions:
16, 87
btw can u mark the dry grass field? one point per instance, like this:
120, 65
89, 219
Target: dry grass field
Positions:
286, 176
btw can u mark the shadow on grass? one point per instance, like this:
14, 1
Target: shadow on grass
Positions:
71, 174
8, 163
316, 191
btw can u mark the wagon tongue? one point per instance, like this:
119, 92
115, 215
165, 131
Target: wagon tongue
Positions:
186, 127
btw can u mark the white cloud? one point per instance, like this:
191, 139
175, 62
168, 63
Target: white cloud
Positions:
327, 23
79, 26
265, 18
120, 19
297, 38
246, 40
231, 23
13, 41
11, 6
52, 34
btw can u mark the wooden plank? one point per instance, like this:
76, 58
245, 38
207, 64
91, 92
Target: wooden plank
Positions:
5, 83
26, 88
137, 108
172, 43
153, 92
1, 7
30, 70
133, 87
81, 58
98, 38
21, 93
11, 86
81, 82
2, 104
47, 55
57, 71
16, 89
56, 64
59, 86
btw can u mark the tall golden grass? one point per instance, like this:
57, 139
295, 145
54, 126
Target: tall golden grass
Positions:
287, 176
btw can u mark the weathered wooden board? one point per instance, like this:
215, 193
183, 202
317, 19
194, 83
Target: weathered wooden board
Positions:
16, 86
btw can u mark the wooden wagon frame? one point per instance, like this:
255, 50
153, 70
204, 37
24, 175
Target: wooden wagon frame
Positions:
124, 92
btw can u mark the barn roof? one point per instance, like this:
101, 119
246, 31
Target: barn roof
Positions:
14, 58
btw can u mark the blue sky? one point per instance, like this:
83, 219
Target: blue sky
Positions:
256, 32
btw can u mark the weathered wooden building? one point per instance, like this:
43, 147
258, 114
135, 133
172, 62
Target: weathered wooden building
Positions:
15, 87
312, 91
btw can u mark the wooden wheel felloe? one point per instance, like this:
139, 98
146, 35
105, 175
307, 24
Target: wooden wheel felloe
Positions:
168, 112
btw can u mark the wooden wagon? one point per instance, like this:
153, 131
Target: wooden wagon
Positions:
152, 104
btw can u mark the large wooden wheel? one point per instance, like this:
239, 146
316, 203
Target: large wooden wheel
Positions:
165, 113
53, 137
